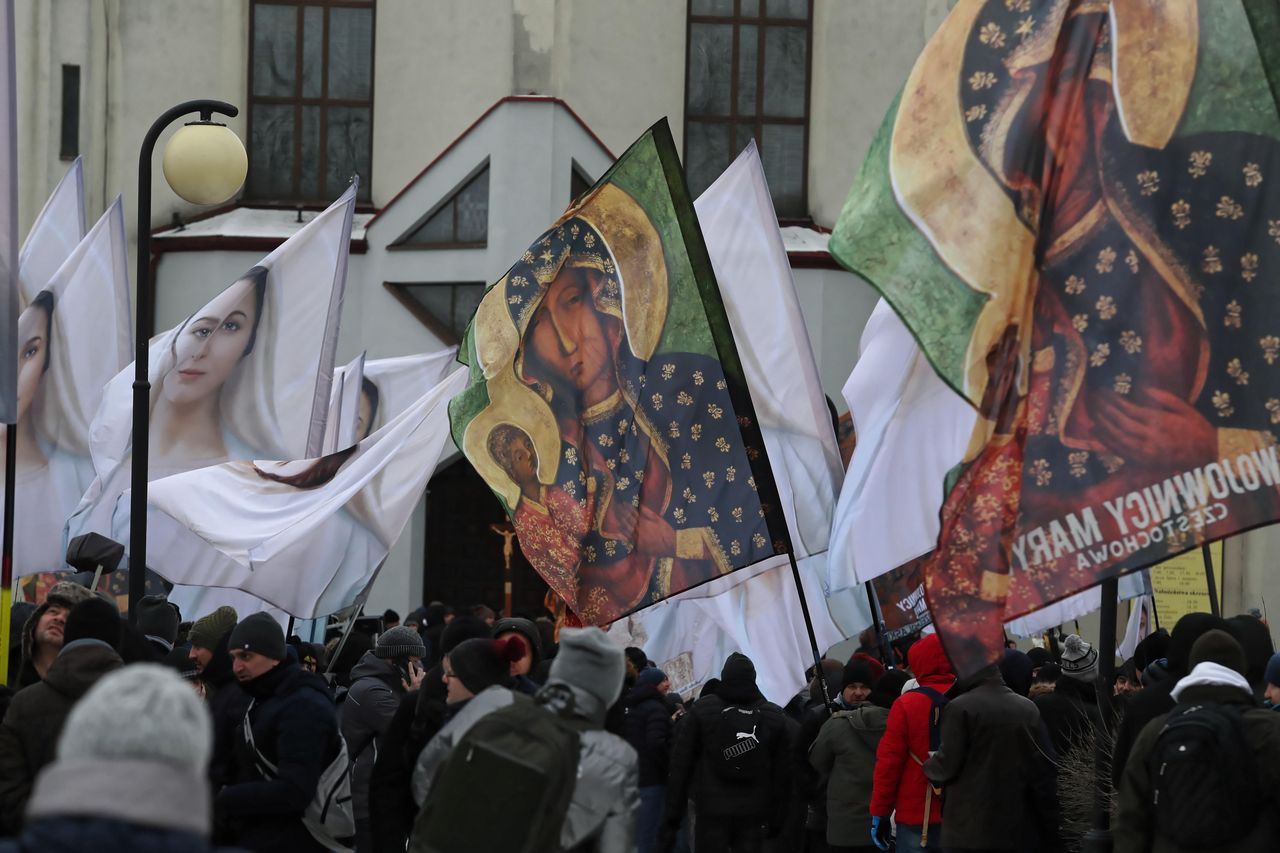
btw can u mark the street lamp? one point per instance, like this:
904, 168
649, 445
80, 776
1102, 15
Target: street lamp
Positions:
204, 163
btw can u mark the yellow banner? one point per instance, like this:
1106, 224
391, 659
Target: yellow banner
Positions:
1180, 586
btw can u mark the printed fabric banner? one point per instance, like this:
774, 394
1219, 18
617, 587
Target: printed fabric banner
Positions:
607, 408
900, 594
1072, 206
246, 376
76, 333
304, 536
757, 610
8, 217
56, 232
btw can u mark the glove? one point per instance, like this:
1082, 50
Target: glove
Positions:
880, 836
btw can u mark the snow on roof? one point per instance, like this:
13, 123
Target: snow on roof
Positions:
256, 222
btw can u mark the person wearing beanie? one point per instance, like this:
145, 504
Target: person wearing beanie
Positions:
42, 632
588, 668
158, 620
476, 665
1079, 659
1271, 693
844, 755
422, 713
900, 788
647, 726
1156, 698
522, 669
29, 732
390, 619
809, 787
741, 800
989, 753
1255, 638
142, 724
379, 681
294, 725
1217, 681
208, 632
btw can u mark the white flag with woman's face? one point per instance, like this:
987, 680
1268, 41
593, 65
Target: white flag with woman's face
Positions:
304, 536
75, 334
245, 376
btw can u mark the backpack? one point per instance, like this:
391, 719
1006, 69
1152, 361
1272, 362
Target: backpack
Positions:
931, 790
329, 817
507, 784
1205, 783
738, 753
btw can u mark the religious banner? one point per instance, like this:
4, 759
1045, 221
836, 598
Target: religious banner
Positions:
9, 304
76, 332
246, 376
607, 407
900, 594
756, 610
56, 232
1071, 207
305, 536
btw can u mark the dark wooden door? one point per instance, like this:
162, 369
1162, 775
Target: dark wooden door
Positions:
463, 562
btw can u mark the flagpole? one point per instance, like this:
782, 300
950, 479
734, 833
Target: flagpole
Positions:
808, 624
877, 622
1210, 581
1098, 839
6, 547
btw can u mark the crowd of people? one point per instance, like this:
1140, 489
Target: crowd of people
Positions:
459, 730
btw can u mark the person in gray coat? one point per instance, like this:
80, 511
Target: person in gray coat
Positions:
606, 797
378, 680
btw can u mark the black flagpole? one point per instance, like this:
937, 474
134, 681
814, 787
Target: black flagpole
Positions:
6, 545
1210, 581
1098, 838
808, 623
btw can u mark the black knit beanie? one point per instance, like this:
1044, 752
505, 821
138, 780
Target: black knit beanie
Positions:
738, 671
461, 629
857, 672
482, 663
525, 629
258, 633
93, 619
1218, 646
158, 617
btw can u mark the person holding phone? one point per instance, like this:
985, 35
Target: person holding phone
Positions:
383, 675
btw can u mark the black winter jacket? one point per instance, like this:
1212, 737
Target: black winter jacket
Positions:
295, 726
696, 754
227, 704
67, 834
647, 727
366, 714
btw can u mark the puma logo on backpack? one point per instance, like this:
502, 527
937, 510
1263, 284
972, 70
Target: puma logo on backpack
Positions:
737, 740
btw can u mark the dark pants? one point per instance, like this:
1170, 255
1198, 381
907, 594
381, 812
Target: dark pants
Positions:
364, 835
727, 835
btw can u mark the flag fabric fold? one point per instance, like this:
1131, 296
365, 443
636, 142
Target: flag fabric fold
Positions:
305, 536
607, 407
56, 232
246, 376
1086, 263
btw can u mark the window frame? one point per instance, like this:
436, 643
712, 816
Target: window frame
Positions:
322, 102
763, 23
402, 244
401, 291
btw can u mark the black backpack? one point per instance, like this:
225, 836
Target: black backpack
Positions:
1204, 778
739, 748
935, 715
507, 784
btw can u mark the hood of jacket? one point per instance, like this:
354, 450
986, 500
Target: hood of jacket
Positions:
289, 677
929, 663
65, 594
76, 670
372, 666
642, 693
865, 718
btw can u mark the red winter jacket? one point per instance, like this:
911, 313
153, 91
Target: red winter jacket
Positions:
899, 782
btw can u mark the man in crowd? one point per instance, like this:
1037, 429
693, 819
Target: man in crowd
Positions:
294, 726
1205, 776
158, 621
378, 681
42, 633
29, 733
522, 669
733, 753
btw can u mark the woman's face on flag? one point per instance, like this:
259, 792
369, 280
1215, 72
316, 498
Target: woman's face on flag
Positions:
210, 347
33, 343
567, 335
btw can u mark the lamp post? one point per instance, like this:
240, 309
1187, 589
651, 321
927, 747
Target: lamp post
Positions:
204, 163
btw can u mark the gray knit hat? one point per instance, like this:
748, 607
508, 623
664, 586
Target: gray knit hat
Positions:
400, 642
591, 662
1079, 659
208, 630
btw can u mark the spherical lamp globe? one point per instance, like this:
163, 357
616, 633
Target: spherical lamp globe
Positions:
205, 163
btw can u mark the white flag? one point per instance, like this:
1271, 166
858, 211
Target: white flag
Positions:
342, 428
1073, 607
756, 610
911, 429
76, 334
56, 232
8, 217
305, 536
246, 376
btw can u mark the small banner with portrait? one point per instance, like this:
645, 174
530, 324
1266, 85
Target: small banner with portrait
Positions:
607, 407
1075, 209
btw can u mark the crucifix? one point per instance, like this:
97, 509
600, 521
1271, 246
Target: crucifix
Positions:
507, 532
